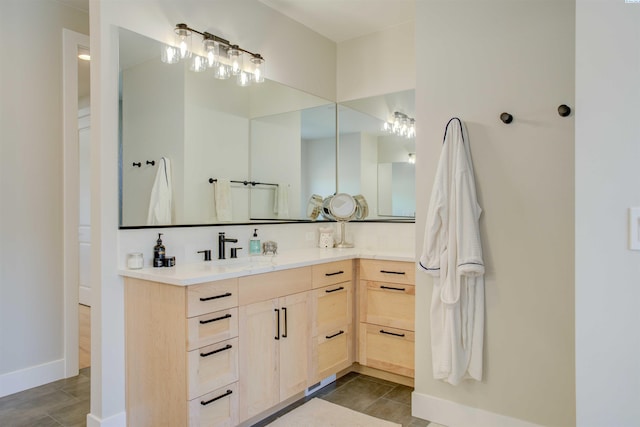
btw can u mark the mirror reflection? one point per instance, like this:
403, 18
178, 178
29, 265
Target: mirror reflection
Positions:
254, 143
374, 162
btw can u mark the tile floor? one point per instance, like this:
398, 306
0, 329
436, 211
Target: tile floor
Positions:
60, 403
66, 402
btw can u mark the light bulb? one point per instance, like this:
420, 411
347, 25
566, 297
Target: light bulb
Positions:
169, 54
222, 71
198, 63
235, 56
258, 68
212, 52
183, 41
243, 79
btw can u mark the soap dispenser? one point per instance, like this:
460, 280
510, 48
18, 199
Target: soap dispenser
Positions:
158, 252
254, 243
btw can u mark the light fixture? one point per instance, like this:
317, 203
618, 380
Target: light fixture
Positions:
224, 58
401, 125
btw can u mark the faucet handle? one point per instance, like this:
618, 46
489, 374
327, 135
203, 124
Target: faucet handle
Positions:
207, 254
234, 252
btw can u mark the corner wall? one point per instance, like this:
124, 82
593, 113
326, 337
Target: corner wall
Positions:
607, 184
31, 193
476, 60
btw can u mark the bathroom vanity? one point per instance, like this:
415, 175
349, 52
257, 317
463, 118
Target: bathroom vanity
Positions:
225, 344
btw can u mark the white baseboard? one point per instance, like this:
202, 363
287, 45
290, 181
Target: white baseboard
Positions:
452, 414
24, 379
117, 420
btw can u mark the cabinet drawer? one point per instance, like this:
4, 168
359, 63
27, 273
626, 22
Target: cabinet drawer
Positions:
331, 273
388, 349
218, 408
388, 271
332, 352
263, 287
213, 296
387, 304
212, 328
212, 367
332, 307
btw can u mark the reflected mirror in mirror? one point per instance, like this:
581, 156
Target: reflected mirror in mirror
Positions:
207, 128
376, 163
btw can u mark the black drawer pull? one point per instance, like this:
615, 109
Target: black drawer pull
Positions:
392, 288
228, 294
334, 290
333, 274
203, 403
277, 310
382, 331
226, 316
334, 335
392, 272
226, 347
284, 311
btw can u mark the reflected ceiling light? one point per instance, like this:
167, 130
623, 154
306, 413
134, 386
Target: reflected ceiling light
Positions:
83, 54
412, 158
401, 125
216, 53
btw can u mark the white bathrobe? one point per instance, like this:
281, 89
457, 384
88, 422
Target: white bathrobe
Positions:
160, 203
452, 254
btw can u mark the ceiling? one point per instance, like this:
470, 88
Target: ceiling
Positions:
341, 20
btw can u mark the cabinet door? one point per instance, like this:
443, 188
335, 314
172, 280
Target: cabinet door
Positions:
295, 343
259, 358
331, 308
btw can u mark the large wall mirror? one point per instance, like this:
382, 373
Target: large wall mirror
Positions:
374, 162
212, 129
278, 137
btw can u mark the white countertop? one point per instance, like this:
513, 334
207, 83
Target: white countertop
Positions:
207, 271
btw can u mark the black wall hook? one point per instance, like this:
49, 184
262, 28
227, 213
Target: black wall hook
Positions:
564, 110
506, 118
151, 162
137, 165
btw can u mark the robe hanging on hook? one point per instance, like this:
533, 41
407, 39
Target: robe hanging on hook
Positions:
506, 118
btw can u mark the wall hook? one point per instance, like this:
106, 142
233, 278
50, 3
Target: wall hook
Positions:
564, 110
151, 162
506, 118
137, 165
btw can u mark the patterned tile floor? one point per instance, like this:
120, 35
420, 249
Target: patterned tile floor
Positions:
66, 402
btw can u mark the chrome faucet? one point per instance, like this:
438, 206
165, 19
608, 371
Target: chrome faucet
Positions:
221, 243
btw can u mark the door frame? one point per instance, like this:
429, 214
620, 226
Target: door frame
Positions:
71, 41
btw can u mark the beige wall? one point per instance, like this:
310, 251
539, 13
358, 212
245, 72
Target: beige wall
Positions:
31, 203
476, 60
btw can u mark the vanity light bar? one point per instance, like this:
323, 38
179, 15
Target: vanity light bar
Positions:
219, 54
402, 125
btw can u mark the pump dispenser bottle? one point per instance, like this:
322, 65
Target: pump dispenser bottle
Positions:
254, 243
158, 252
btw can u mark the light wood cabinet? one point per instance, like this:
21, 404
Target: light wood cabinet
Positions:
386, 314
275, 339
181, 360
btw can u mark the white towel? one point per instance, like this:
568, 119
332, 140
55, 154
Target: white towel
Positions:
281, 200
222, 199
161, 200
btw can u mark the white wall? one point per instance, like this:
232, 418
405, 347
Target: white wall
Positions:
476, 60
31, 204
294, 56
607, 181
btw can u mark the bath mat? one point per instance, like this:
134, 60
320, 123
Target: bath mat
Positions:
320, 413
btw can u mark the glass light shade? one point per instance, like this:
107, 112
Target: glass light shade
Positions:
198, 63
183, 41
169, 54
257, 62
244, 78
222, 71
212, 52
235, 57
